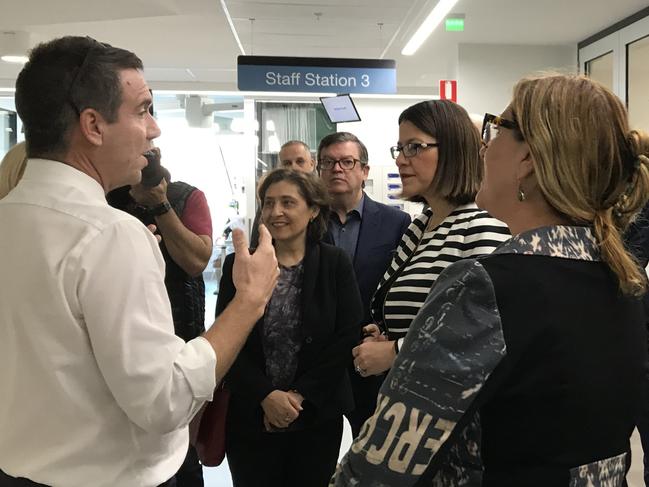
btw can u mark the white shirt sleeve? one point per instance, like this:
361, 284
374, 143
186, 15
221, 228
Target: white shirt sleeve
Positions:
158, 380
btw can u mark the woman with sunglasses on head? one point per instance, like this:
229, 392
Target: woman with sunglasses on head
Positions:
439, 163
526, 367
289, 385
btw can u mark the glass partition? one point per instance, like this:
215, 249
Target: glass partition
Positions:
280, 122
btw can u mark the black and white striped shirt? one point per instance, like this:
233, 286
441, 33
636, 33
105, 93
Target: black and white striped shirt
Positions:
422, 255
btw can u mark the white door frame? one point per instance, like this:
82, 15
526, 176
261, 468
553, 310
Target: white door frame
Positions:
629, 35
617, 44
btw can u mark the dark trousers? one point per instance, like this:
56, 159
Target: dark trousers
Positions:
191, 471
292, 459
9, 481
365, 390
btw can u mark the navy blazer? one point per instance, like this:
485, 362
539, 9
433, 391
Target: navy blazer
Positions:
381, 229
331, 323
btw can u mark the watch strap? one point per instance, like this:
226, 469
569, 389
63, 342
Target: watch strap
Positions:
160, 209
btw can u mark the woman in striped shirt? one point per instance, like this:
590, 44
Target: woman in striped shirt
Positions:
439, 162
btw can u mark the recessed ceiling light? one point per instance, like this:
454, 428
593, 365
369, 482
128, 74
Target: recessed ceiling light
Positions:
15, 59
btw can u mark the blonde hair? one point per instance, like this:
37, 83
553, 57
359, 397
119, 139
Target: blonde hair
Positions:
589, 165
12, 168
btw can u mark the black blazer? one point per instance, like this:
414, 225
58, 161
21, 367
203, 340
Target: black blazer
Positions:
331, 322
381, 229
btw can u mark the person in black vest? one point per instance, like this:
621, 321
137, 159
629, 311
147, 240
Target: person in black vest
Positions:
182, 217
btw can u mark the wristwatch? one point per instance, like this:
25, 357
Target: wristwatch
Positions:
160, 209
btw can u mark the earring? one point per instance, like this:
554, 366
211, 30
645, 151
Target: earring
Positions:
521, 193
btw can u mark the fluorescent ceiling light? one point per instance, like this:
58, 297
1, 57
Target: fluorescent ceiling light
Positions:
427, 27
231, 24
15, 59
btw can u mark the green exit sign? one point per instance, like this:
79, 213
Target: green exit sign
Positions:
454, 25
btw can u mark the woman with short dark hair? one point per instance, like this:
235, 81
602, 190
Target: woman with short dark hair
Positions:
289, 385
438, 156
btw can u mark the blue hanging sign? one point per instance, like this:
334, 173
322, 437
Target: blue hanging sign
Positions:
316, 75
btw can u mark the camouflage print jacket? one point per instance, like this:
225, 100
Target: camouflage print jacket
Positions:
522, 368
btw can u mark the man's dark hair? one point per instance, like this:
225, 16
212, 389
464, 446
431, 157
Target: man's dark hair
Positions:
339, 138
312, 190
459, 167
62, 78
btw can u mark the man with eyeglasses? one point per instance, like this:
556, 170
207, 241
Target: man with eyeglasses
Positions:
367, 230
97, 390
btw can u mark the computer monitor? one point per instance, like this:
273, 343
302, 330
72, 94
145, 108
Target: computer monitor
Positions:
340, 109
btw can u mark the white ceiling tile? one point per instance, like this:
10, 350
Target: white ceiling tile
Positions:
172, 36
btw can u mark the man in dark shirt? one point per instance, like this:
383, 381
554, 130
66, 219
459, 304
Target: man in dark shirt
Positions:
367, 230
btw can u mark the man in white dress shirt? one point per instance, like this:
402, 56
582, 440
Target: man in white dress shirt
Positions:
96, 388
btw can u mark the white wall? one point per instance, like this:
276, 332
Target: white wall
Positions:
198, 156
379, 130
487, 73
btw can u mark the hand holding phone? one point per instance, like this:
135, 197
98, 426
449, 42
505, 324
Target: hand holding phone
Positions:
152, 174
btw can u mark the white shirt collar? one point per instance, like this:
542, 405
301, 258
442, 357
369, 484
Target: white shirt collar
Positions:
58, 173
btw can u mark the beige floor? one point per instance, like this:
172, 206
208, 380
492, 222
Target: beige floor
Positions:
634, 478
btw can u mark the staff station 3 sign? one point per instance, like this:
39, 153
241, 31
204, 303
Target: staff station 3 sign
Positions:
316, 75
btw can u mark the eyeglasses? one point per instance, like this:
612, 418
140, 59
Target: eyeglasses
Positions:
412, 149
347, 164
492, 123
